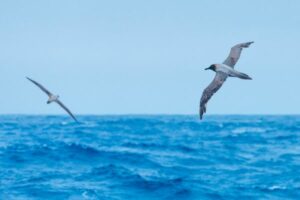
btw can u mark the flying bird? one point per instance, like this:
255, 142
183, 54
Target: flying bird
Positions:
53, 98
224, 70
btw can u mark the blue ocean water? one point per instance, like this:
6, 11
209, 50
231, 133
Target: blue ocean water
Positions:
149, 157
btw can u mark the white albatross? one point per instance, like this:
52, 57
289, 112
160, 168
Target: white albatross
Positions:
224, 70
53, 98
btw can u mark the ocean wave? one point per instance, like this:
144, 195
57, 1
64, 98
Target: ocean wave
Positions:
129, 179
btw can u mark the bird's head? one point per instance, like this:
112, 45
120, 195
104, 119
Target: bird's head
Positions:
212, 67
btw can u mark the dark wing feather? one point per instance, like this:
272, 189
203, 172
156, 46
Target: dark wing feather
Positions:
212, 88
40, 86
66, 109
235, 53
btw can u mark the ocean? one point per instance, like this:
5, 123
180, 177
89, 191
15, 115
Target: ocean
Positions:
149, 157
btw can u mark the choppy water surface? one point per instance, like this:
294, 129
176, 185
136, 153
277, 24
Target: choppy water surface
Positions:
150, 157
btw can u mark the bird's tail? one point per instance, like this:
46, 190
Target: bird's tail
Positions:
245, 76
242, 76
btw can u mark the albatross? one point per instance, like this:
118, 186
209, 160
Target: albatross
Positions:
52, 98
224, 70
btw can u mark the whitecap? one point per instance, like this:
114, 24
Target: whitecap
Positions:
249, 130
276, 187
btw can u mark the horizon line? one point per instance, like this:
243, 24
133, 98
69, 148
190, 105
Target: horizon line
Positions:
151, 114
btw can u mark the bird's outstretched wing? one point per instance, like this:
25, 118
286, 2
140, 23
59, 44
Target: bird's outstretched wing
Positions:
212, 88
40, 86
235, 53
65, 108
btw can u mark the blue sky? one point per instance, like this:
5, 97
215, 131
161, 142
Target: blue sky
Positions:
147, 57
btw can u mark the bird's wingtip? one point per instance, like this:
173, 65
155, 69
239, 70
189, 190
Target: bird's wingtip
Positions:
75, 120
249, 43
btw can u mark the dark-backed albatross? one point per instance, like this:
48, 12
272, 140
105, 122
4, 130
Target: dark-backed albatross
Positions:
53, 98
222, 72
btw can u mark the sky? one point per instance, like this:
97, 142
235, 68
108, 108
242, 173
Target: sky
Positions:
148, 57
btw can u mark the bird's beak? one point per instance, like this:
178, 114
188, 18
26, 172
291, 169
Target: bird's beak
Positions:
206, 68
